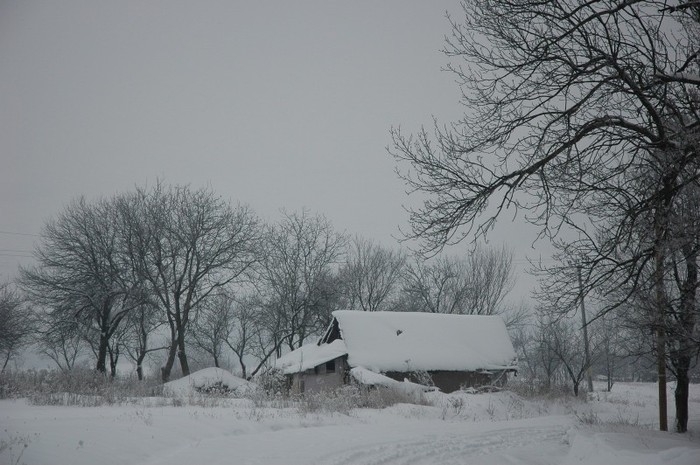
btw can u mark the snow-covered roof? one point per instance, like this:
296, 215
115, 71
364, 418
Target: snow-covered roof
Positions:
410, 341
309, 356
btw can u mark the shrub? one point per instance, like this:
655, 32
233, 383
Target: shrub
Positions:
217, 389
346, 398
533, 390
80, 386
273, 382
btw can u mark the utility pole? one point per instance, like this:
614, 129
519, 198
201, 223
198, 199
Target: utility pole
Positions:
660, 321
585, 333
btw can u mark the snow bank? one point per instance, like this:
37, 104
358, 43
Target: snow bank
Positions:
206, 379
631, 449
410, 341
482, 429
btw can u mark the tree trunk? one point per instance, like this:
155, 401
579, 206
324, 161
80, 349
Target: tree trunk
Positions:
113, 360
681, 394
172, 351
181, 355
683, 335
167, 369
243, 367
143, 348
7, 360
102, 352
661, 372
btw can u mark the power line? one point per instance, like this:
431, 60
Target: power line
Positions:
15, 250
12, 233
15, 255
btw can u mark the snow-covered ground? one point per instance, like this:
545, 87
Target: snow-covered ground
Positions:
497, 428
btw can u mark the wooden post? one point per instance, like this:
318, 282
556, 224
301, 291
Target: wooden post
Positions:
660, 339
586, 347
660, 320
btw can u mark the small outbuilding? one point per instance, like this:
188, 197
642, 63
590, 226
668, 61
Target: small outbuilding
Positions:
447, 351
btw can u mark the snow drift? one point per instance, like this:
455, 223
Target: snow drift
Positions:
206, 381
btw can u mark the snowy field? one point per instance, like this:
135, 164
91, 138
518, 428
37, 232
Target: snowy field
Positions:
497, 428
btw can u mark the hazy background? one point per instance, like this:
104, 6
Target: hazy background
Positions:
276, 104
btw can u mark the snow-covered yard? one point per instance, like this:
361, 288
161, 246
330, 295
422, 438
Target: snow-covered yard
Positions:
496, 428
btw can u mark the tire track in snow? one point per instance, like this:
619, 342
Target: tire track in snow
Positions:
454, 449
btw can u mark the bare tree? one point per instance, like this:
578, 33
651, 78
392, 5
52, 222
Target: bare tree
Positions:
246, 334
551, 351
15, 324
612, 352
142, 323
536, 358
213, 325
80, 272
59, 338
565, 340
562, 98
683, 334
475, 285
565, 100
680, 283
372, 275
522, 339
491, 276
270, 332
188, 244
440, 286
646, 257
300, 255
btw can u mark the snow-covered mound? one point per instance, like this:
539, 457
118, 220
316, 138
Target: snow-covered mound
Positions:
208, 380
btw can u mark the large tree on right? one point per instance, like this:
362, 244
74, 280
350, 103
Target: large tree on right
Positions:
566, 103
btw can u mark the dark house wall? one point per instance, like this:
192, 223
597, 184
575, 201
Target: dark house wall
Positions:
324, 377
335, 373
450, 381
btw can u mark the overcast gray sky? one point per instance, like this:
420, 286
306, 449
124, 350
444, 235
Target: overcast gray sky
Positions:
276, 104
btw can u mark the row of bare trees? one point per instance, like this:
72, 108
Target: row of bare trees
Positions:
172, 269
552, 352
14, 332
115, 269
586, 117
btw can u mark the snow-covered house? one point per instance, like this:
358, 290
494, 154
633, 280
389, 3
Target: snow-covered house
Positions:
455, 350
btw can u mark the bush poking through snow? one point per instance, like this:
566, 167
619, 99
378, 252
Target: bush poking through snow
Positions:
343, 400
12, 444
587, 418
80, 387
273, 382
591, 419
218, 389
534, 390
